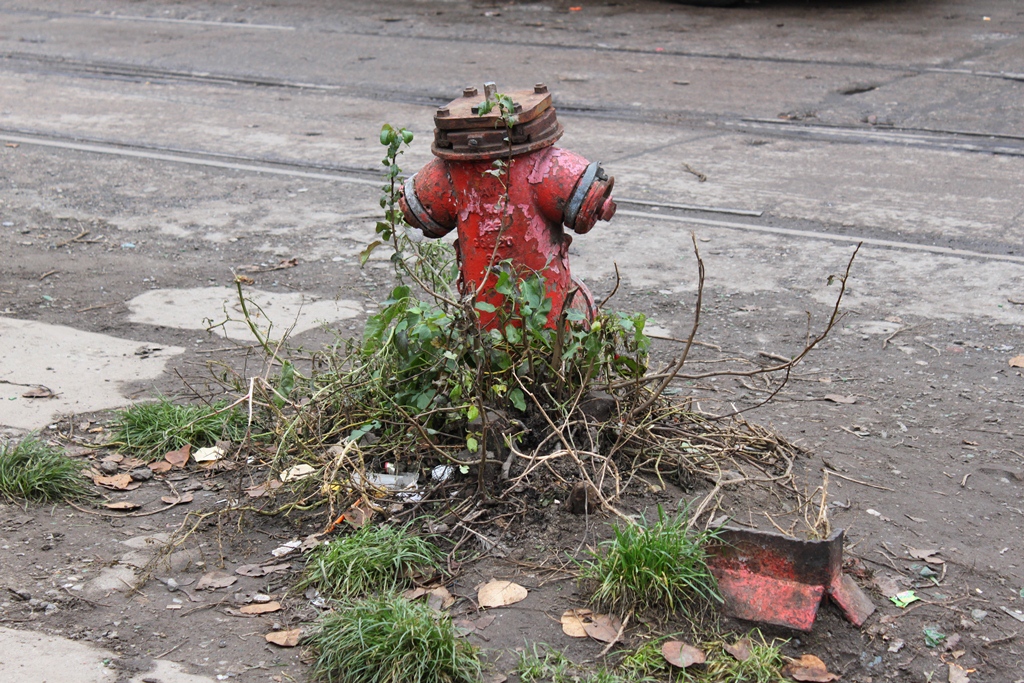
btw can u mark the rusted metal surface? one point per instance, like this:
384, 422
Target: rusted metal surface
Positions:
519, 215
776, 579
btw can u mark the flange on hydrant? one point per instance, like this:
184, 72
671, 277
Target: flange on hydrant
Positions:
545, 188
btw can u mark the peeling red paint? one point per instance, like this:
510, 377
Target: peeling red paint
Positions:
463, 195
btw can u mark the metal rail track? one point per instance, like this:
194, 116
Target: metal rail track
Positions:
946, 140
666, 212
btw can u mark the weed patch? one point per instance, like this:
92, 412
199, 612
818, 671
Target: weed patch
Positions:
373, 559
549, 665
148, 430
33, 470
387, 639
657, 568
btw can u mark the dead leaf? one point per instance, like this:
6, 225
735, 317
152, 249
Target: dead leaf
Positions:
680, 654
604, 627
118, 482
179, 458
177, 500
439, 598
500, 593
572, 622
250, 570
261, 490
957, 674
263, 608
926, 554
808, 668
160, 467
39, 392
357, 516
297, 472
838, 398
285, 638
209, 454
740, 650
123, 505
215, 580
131, 463
1017, 362
271, 568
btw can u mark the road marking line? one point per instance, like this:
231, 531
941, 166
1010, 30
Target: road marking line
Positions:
808, 234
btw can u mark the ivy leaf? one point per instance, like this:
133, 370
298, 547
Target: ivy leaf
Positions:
472, 444
472, 413
485, 307
517, 398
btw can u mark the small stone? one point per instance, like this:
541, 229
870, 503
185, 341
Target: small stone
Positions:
978, 614
142, 474
107, 467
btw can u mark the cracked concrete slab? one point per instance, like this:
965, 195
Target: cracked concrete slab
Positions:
30, 657
85, 371
204, 307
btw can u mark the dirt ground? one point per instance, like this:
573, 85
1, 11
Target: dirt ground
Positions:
910, 404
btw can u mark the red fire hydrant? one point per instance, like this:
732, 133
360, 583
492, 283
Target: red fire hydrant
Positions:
545, 188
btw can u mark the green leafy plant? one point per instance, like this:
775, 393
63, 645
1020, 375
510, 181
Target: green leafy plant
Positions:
32, 470
658, 568
373, 559
387, 639
149, 430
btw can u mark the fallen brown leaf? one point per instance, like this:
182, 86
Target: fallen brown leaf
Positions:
604, 627
680, 654
285, 638
500, 593
215, 580
250, 570
1017, 362
123, 505
957, 674
572, 622
439, 598
179, 458
808, 668
118, 482
925, 554
160, 466
263, 608
39, 392
177, 500
740, 650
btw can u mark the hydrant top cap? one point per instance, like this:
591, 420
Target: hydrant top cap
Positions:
462, 133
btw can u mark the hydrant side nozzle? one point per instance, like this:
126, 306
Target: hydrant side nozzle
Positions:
591, 200
428, 202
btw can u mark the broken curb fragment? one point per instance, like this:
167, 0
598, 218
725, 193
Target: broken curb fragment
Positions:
768, 577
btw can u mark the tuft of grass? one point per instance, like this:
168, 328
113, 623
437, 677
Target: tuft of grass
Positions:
33, 470
543, 664
373, 559
657, 568
148, 430
763, 666
647, 665
387, 639
550, 665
